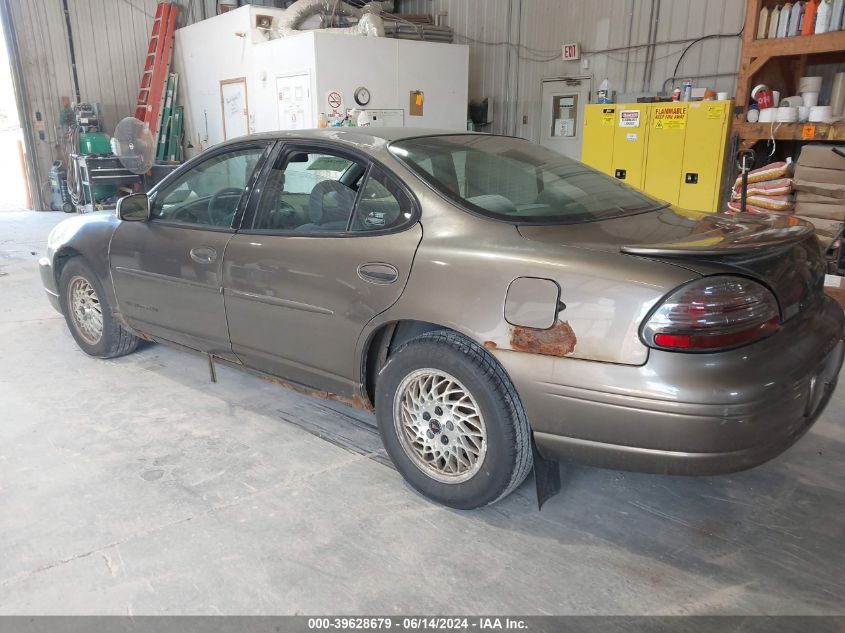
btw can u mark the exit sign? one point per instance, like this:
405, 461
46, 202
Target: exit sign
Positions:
571, 52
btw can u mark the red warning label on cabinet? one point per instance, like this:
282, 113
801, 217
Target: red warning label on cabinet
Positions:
629, 118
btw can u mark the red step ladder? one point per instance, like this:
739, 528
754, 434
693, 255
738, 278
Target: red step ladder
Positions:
156, 67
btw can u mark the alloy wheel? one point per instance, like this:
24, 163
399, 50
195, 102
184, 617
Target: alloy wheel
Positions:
440, 425
85, 310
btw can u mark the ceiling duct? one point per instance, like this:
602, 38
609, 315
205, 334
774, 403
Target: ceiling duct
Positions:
370, 22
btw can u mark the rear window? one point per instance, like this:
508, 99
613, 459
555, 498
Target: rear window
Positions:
517, 181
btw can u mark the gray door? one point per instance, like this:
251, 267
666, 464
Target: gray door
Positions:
331, 245
562, 114
167, 272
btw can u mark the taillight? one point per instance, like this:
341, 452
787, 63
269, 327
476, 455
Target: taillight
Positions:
713, 313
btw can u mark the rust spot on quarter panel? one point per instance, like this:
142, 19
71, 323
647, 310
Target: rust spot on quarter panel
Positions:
558, 340
490, 345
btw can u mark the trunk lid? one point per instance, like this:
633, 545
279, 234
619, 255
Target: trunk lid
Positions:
780, 251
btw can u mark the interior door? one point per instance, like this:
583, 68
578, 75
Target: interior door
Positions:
167, 272
235, 105
330, 246
562, 114
294, 95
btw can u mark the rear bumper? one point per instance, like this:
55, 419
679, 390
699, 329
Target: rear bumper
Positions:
48, 280
691, 414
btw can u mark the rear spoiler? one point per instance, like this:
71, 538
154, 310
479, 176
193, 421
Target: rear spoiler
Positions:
726, 235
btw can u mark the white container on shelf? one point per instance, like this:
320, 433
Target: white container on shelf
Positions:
795, 17
811, 99
768, 115
821, 114
803, 114
773, 23
823, 17
810, 84
763, 24
787, 115
783, 19
837, 15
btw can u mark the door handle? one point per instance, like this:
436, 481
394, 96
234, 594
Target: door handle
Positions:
378, 273
203, 255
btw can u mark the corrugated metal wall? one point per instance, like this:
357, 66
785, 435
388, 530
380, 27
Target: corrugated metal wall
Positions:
110, 41
515, 44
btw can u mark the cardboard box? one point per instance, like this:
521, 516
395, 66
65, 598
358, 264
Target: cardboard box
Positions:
834, 286
821, 155
820, 175
826, 211
827, 231
805, 196
820, 188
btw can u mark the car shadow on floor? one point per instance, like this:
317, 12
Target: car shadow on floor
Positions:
780, 524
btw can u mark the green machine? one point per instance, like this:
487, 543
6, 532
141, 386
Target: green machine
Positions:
97, 144
96, 171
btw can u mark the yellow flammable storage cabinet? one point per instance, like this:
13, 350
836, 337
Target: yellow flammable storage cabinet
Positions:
599, 128
630, 143
673, 151
708, 127
665, 158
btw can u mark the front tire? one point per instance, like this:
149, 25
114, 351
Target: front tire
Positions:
88, 314
452, 422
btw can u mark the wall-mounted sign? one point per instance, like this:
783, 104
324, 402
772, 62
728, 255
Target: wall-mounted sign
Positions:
417, 99
334, 100
571, 52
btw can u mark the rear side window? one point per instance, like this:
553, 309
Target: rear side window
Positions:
309, 192
383, 204
321, 192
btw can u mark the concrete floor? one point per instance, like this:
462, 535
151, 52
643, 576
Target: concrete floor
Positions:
136, 486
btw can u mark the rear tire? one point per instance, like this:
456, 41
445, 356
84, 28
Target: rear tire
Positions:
88, 314
452, 422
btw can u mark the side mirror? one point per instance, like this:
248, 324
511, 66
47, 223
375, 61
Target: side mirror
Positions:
134, 208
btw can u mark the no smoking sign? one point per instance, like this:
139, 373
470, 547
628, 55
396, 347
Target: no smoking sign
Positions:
334, 99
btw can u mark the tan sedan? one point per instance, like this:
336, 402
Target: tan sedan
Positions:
498, 305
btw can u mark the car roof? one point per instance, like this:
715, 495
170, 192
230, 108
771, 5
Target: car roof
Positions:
361, 136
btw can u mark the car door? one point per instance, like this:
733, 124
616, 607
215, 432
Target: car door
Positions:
327, 246
167, 272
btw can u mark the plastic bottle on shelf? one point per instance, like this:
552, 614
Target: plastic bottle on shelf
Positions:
783, 20
795, 17
836, 17
810, 17
774, 18
604, 94
763, 24
823, 17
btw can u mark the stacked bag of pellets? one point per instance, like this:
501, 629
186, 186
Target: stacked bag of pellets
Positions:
769, 190
820, 182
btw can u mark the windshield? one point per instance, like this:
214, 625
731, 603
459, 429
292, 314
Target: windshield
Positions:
517, 181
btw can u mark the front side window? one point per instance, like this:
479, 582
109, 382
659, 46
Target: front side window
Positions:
517, 181
208, 195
